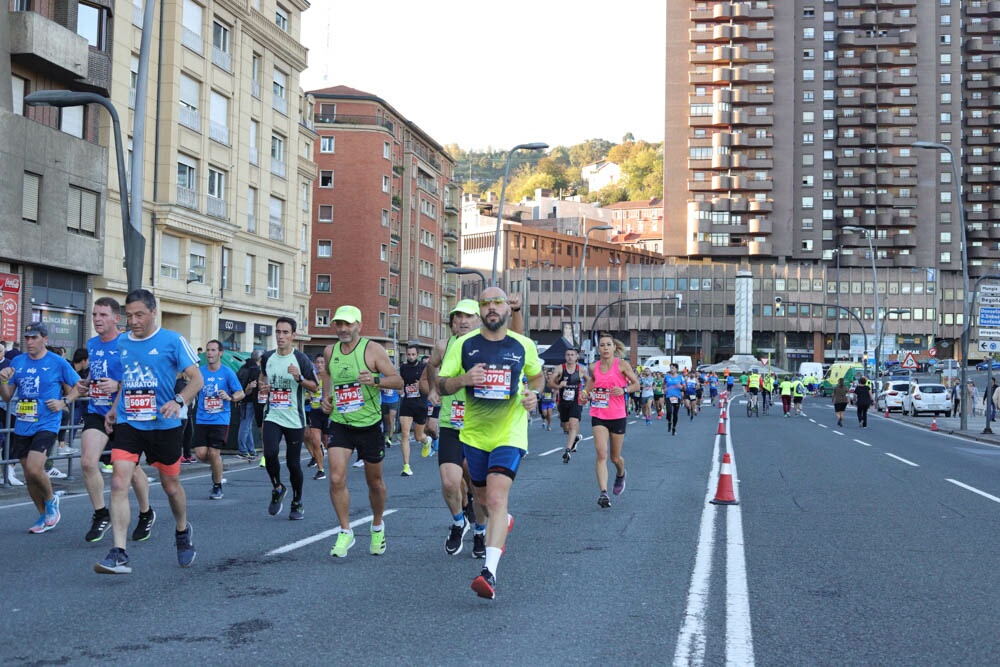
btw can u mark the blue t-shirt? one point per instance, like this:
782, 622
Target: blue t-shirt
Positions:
150, 367
37, 381
713, 381
211, 408
691, 386
389, 396
672, 385
105, 362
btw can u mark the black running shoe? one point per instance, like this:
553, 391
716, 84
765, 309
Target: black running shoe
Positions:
479, 545
277, 498
578, 438
144, 526
566, 456
453, 545
485, 584
603, 500
99, 525
312, 462
320, 474
296, 513
469, 511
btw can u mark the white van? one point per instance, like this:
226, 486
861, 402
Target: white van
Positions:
813, 368
661, 364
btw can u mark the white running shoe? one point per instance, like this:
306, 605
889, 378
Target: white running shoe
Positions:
56, 473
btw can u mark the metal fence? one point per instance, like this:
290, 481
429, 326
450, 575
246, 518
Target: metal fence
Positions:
68, 433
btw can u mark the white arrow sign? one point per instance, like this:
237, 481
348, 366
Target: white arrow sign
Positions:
989, 346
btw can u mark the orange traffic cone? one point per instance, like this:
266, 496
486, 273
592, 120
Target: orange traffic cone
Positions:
722, 426
722, 415
724, 493
886, 411
933, 423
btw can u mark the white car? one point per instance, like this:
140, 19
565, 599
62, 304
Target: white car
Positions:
890, 396
928, 397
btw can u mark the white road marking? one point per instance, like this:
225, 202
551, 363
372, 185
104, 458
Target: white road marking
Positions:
739, 635
814, 421
900, 458
861, 442
973, 489
818, 424
837, 432
552, 451
320, 536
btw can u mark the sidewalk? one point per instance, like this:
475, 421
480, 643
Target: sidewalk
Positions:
950, 425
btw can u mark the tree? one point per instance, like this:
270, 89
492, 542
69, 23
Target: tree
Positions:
589, 151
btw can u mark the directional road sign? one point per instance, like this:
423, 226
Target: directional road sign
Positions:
989, 317
989, 346
989, 334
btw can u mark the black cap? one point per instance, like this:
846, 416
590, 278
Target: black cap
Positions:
36, 329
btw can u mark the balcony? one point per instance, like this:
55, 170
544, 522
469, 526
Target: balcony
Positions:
216, 208
423, 154
189, 117
448, 288
192, 40
350, 119
280, 104
218, 132
187, 198
396, 202
450, 232
222, 59
278, 167
48, 46
276, 230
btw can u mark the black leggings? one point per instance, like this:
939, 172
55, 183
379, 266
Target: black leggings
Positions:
863, 414
673, 409
272, 434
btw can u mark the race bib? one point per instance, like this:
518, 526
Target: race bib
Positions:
27, 410
280, 399
348, 397
316, 402
213, 404
262, 397
98, 396
140, 406
458, 414
600, 397
674, 399
568, 394
496, 385
546, 396
412, 390
430, 409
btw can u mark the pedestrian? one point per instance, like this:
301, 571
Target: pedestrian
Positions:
44, 383
248, 375
989, 401
220, 388
567, 381
351, 396
840, 400
489, 363
147, 414
864, 401
972, 396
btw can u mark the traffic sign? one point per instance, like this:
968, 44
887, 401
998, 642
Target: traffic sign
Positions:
989, 300
989, 288
989, 346
989, 334
909, 363
989, 317
932, 351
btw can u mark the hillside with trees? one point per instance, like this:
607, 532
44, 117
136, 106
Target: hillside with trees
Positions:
558, 170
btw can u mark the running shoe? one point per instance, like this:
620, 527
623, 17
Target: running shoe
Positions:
470, 511
56, 473
107, 468
406, 471
52, 515
603, 500
116, 562
578, 438
144, 526
453, 545
479, 545
619, 483
312, 462
360, 463
425, 448
39, 526
566, 456
345, 540
434, 447
320, 474
185, 548
277, 498
99, 525
216, 492
263, 464
648, 421
296, 513
485, 584
377, 546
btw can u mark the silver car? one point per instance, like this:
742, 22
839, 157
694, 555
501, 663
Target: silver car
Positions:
928, 397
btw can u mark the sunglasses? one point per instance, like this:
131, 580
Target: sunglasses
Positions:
495, 301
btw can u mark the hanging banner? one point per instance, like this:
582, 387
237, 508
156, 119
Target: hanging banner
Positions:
10, 306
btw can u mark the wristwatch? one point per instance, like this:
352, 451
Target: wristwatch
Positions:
179, 400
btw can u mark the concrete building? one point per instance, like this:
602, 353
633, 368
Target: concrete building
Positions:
638, 224
53, 165
227, 172
600, 174
798, 120
385, 221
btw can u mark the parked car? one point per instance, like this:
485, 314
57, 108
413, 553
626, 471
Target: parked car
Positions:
927, 397
981, 366
890, 395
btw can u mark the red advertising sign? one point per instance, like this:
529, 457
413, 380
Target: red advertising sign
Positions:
10, 306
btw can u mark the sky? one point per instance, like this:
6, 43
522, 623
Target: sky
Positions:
496, 74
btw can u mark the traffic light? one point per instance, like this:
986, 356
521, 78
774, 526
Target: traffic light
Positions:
777, 305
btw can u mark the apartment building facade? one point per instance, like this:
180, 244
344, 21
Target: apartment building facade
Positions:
799, 122
52, 166
385, 221
228, 170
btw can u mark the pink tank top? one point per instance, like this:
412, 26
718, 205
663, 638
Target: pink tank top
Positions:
603, 404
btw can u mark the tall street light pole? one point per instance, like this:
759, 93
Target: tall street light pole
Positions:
465, 271
966, 296
536, 146
579, 281
395, 332
871, 249
135, 243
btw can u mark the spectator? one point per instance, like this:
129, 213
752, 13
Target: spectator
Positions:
990, 401
247, 375
972, 396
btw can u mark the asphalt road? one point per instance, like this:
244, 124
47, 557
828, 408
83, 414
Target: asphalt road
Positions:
840, 552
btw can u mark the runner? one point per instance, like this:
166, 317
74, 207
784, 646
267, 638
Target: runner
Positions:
219, 390
548, 400
646, 394
45, 384
567, 381
351, 398
317, 420
659, 403
785, 387
147, 410
673, 385
798, 392
492, 360
103, 383
285, 376
612, 379
390, 403
713, 386
431, 428
412, 408
767, 388
690, 392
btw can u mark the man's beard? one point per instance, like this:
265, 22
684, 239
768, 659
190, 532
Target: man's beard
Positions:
495, 326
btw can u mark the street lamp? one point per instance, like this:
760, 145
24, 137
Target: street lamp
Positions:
967, 304
878, 334
395, 332
465, 271
135, 244
897, 311
579, 281
536, 146
836, 326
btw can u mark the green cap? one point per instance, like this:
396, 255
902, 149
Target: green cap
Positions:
349, 314
467, 306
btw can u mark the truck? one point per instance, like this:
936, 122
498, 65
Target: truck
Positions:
661, 363
847, 370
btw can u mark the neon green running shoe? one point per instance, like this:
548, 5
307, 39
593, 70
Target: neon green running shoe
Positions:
344, 542
425, 449
377, 547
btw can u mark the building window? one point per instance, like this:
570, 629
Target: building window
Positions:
326, 213
273, 280
82, 212
385, 218
220, 46
385, 184
197, 262
29, 197
276, 219
170, 256
92, 24
191, 26
252, 210
279, 86
281, 17
133, 80
387, 150
328, 144
323, 282
249, 271
324, 248
216, 193
302, 285
20, 88
326, 178
186, 174
218, 118
382, 286
71, 121
383, 253
278, 154
190, 101
322, 317
255, 75
227, 268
